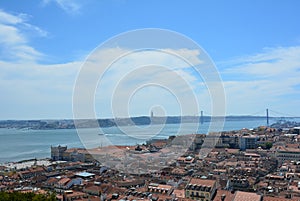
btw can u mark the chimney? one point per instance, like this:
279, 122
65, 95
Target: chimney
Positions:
223, 197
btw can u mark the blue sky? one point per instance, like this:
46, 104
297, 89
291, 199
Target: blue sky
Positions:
255, 45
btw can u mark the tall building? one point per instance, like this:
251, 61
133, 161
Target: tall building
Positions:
57, 152
248, 142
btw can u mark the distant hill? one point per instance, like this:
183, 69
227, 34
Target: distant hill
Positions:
87, 123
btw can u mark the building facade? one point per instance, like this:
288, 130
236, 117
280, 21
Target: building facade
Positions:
248, 142
200, 189
57, 152
287, 154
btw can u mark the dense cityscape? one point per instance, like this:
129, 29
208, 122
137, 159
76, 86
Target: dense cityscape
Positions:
247, 164
130, 100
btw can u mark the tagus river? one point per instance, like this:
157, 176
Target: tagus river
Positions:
16, 145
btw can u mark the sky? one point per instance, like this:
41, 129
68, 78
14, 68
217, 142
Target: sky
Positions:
255, 46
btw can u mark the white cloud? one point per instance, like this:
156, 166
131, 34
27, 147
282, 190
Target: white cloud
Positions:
10, 35
7, 18
69, 6
279, 62
164, 70
14, 38
30, 91
45, 91
268, 79
35, 30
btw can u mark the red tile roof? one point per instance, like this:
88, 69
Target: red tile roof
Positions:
63, 181
202, 182
228, 195
269, 198
246, 196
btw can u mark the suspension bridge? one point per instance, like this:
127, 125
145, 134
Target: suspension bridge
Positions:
268, 114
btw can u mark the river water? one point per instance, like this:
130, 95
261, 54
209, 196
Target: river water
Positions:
16, 144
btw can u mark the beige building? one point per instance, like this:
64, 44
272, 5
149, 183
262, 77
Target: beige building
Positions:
287, 154
200, 189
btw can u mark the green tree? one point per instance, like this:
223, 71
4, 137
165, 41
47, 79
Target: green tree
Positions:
268, 145
17, 196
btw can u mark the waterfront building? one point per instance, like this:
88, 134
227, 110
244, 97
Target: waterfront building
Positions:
57, 152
